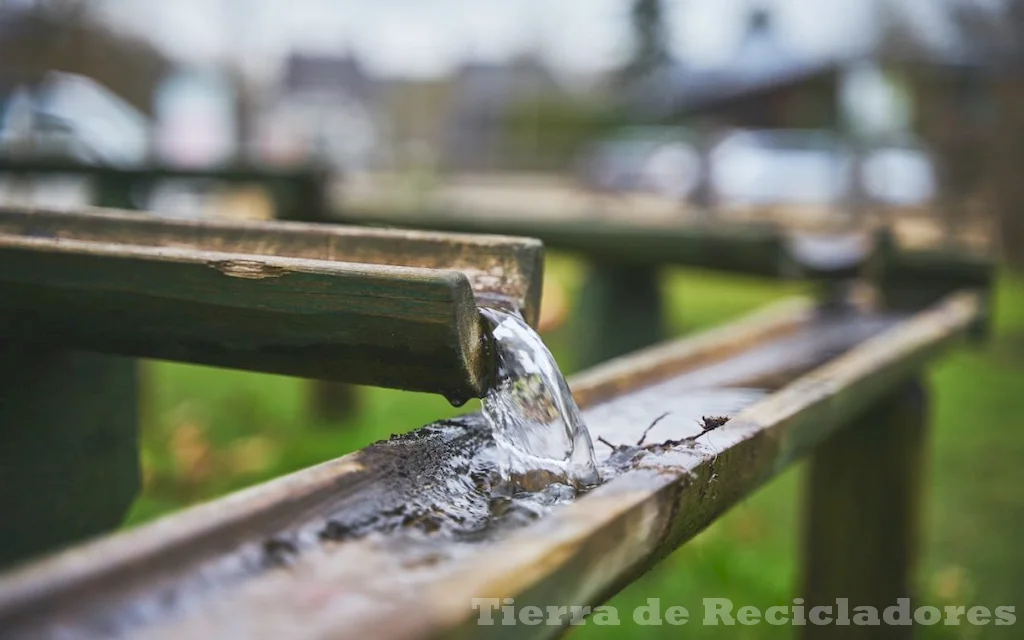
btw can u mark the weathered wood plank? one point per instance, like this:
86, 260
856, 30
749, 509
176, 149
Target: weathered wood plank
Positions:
584, 553
388, 326
654, 364
310, 300
197, 535
209, 564
497, 267
751, 249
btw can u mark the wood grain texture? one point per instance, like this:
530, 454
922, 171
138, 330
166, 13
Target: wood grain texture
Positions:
497, 267
388, 326
751, 249
395, 585
189, 539
591, 549
306, 300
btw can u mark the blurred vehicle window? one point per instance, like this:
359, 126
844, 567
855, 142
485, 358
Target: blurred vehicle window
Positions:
899, 176
767, 167
73, 117
657, 160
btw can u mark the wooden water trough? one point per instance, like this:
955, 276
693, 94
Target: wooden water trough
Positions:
622, 296
397, 540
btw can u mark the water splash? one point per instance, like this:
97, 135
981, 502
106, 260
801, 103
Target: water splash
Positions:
540, 435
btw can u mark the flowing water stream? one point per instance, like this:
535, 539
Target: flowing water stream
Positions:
540, 435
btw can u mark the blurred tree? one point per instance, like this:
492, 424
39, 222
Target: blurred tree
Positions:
970, 110
998, 38
943, 115
63, 35
650, 41
545, 133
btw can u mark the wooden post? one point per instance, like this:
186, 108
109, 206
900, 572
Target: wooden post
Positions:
863, 514
331, 401
114, 191
68, 446
620, 311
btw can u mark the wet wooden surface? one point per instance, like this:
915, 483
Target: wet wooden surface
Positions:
411, 541
309, 300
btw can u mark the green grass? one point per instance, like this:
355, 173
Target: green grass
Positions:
209, 431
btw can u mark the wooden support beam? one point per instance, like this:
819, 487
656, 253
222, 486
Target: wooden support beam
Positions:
308, 300
752, 249
863, 511
914, 279
331, 401
621, 308
69, 464
293, 557
299, 193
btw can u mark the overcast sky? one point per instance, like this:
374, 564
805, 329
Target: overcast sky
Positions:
429, 37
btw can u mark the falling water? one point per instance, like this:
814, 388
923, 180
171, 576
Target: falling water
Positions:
540, 436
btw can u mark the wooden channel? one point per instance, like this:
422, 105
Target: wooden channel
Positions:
348, 548
750, 249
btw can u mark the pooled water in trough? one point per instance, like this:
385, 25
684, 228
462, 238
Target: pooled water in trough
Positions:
540, 436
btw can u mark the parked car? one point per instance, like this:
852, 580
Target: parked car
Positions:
773, 167
899, 173
71, 116
659, 160
770, 167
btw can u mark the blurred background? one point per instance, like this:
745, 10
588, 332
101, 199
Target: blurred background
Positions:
845, 114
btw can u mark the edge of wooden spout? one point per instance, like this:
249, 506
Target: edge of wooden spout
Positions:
368, 306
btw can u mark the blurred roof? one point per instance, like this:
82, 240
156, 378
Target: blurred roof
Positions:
761, 62
341, 74
495, 85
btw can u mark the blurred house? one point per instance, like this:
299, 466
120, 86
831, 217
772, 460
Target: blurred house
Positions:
764, 85
483, 96
954, 114
196, 114
325, 111
416, 110
776, 126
